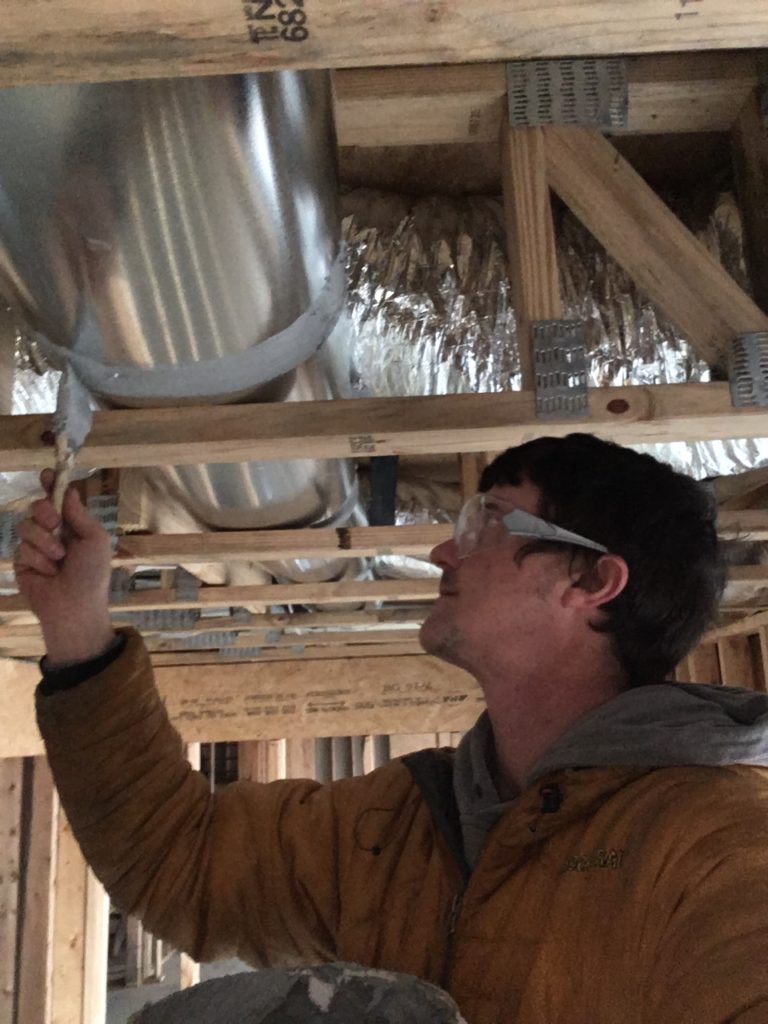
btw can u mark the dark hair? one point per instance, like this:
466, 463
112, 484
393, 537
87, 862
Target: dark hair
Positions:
662, 523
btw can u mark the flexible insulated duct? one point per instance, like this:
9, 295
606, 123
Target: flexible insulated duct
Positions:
178, 241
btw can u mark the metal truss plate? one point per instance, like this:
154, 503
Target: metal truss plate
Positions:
186, 585
587, 91
160, 620
748, 370
240, 652
8, 536
560, 366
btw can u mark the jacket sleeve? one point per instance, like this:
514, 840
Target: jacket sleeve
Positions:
251, 871
711, 963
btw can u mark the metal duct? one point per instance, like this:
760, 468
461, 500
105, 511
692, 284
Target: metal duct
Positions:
180, 240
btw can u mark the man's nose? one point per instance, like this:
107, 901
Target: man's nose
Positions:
445, 555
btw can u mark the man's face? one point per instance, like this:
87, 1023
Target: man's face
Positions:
489, 604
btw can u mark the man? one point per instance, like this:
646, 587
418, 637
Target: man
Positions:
595, 851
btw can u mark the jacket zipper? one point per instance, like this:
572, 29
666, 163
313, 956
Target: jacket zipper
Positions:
453, 918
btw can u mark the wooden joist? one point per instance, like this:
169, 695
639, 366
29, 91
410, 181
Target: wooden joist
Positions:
667, 262
334, 697
343, 592
342, 542
85, 41
411, 106
36, 948
750, 159
443, 424
11, 779
531, 253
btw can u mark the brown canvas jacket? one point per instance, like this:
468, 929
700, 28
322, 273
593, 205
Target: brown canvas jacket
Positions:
642, 897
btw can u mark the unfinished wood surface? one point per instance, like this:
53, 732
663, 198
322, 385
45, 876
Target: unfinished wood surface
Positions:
762, 645
96, 951
703, 664
299, 758
531, 251
261, 760
309, 654
343, 592
189, 969
406, 426
750, 158
276, 545
407, 743
341, 542
411, 106
133, 501
11, 781
134, 951
667, 262
335, 697
68, 946
470, 467
156, 38
736, 663
35, 966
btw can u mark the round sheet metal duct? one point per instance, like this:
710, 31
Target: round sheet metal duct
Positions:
178, 242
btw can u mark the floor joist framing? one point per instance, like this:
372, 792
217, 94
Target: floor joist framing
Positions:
84, 40
443, 424
464, 103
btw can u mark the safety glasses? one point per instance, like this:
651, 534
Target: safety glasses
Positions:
482, 523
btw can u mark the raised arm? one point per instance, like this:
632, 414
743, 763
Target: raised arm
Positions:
251, 871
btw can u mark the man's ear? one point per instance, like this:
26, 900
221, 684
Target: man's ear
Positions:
597, 584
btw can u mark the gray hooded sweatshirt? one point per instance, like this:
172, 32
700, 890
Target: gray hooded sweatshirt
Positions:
662, 726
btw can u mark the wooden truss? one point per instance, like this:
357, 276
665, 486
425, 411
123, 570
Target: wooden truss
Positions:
360, 671
84, 39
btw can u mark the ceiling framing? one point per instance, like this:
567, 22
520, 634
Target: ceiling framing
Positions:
438, 101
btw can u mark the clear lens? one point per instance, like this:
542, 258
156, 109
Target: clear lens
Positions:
469, 526
478, 526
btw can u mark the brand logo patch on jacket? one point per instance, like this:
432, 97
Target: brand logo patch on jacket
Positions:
612, 859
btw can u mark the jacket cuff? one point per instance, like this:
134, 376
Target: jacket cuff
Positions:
70, 676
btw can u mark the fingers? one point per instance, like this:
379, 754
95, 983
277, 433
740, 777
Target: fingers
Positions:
35, 536
44, 514
78, 518
39, 550
27, 557
73, 512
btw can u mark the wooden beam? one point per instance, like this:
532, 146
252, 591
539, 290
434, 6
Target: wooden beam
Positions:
95, 951
35, 967
390, 426
340, 697
750, 158
331, 653
344, 592
412, 106
531, 253
11, 779
668, 263
154, 38
703, 664
276, 545
752, 622
342, 542
736, 662
68, 928
189, 969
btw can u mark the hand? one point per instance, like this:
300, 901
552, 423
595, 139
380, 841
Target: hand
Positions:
65, 580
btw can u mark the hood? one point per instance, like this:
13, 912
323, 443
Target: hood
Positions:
664, 726
661, 726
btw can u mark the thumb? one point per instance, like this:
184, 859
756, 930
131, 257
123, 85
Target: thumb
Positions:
77, 517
